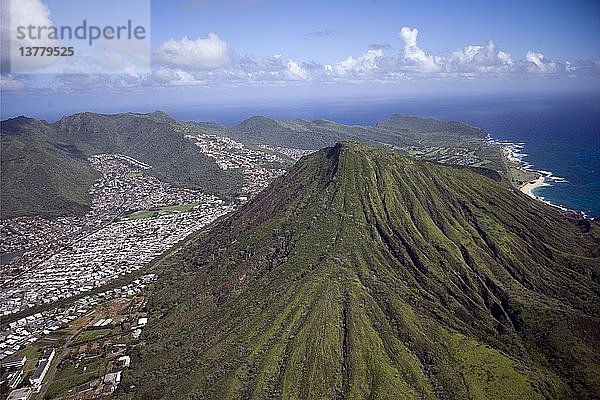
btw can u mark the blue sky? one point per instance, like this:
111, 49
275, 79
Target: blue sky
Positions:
213, 52
560, 29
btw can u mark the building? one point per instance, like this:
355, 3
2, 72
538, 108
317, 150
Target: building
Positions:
20, 394
14, 362
124, 361
110, 382
43, 367
10, 379
113, 378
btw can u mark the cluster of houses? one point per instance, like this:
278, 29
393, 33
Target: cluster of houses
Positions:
112, 378
13, 374
25, 233
13, 364
18, 334
124, 188
120, 248
256, 166
444, 155
100, 252
294, 154
229, 154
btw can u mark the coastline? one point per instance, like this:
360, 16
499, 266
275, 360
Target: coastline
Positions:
534, 178
528, 187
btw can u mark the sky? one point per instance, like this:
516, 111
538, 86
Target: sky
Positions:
209, 52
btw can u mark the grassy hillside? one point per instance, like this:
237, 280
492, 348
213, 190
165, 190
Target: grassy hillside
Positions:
408, 124
365, 274
45, 169
152, 138
40, 177
399, 132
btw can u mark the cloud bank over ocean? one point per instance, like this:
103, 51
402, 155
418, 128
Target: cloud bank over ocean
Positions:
205, 61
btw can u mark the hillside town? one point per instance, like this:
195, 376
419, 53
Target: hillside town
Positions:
75, 352
444, 155
63, 268
258, 167
110, 241
294, 154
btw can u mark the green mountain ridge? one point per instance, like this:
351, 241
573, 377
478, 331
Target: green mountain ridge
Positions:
398, 130
41, 177
59, 151
45, 169
151, 138
362, 273
430, 125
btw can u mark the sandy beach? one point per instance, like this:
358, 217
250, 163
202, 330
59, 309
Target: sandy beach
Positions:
529, 186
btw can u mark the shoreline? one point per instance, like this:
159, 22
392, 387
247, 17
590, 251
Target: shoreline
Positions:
529, 187
514, 158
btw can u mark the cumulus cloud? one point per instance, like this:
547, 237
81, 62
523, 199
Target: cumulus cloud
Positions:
537, 63
365, 64
25, 13
9, 83
272, 68
409, 36
246, 69
477, 58
413, 54
295, 71
209, 53
175, 77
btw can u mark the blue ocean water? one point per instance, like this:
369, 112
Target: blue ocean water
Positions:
561, 133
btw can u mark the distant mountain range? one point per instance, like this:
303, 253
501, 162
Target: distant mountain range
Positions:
45, 172
399, 130
362, 273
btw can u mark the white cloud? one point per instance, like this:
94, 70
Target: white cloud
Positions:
506, 59
167, 76
409, 36
295, 71
413, 54
209, 53
569, 68
365, 64
209, 62
537, 63
477, 58
24, 13
10, 84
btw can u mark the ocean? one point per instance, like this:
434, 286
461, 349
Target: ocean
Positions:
560, 134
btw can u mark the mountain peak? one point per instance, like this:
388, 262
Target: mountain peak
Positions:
158, 115
401, 122
22, 125
382, 276
258, 119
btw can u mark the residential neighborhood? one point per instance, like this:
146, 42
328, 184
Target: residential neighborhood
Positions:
75, 352
258, 167
63, 270
115, 238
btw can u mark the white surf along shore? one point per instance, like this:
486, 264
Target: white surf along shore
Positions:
513, 152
